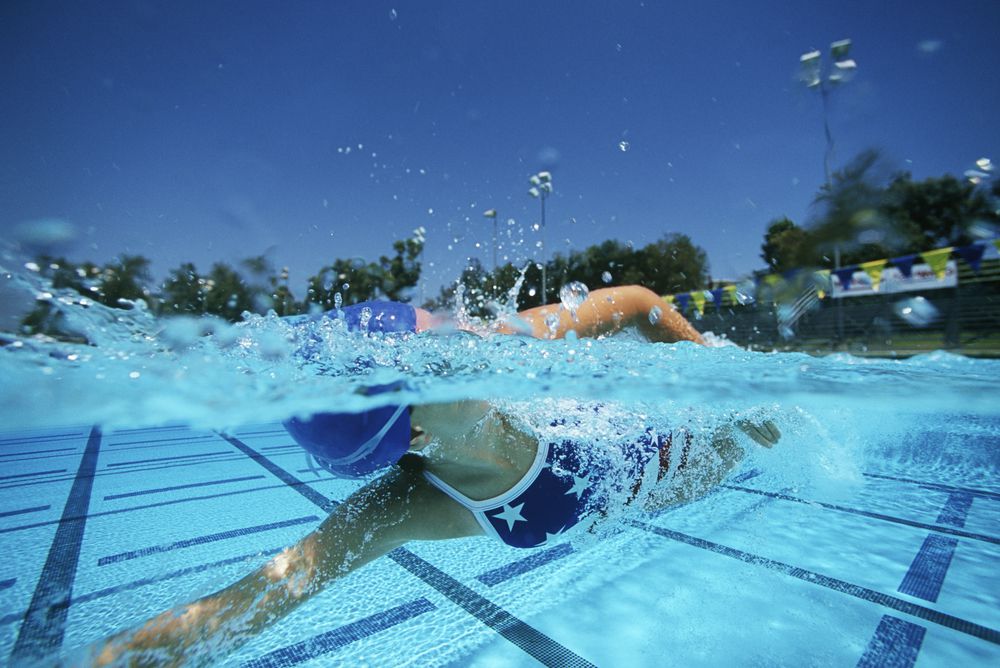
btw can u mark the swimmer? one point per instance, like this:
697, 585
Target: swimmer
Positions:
457, 470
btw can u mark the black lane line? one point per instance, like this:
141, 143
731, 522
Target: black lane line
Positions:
129, 471
32, 475
159, 504
329, 641
284, 476
136, 584
169, 459
7, 584
877, 516
40, 439
201, 540
934, 485
22, 511
956, 509
896, 644
863, 593
126, 495
164, 442
531, 640
32, 452
44, 624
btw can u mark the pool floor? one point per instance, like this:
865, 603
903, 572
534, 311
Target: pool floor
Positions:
102, 530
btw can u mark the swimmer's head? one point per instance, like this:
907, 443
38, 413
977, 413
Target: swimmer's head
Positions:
355, 444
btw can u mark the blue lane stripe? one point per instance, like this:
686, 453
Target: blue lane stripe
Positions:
7, 584
127, 495
863, 593
956, 509
743, 477
934, 485
22, 511
169, 459
32, 475
201, 540
44, 625
896, 644
926, 574
875, 516
530, 640
521, 566
324, 643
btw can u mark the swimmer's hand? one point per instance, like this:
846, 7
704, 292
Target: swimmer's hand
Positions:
765, 433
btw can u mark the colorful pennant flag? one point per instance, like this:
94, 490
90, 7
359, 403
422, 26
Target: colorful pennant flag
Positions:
904, 264
874, 271
846, 275
938, 260
972, 254
718, 295
682, 302
698, 297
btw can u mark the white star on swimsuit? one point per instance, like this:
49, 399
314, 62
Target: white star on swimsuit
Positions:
580, 485
511, 515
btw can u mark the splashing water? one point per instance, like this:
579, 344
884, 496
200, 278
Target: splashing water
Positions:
130, 368
572, 295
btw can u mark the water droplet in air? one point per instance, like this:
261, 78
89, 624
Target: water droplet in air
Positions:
393, 15
572, 295
606, 277
654, 315
345, 287
337, 301
328, 284
552, 323
366, 315
623, 145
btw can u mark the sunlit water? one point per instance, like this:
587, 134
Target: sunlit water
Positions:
840, 415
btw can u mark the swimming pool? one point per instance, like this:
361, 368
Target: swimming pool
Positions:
869, 536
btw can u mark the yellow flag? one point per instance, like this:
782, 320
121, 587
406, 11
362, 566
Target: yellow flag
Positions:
731, 291
874, 271
938, 260
698, 297
668, 298
996, 242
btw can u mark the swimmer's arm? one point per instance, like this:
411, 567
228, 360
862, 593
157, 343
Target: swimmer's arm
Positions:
607, 311
383, 515
705, 473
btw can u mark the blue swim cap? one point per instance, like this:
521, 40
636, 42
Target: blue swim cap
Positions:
355, 444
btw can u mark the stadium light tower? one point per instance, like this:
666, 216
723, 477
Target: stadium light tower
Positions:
813, 75
541, 188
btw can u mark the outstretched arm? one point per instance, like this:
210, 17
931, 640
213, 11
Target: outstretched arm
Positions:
708, 467
606, 311
383, 515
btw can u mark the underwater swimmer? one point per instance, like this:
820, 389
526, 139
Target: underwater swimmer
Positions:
456, 470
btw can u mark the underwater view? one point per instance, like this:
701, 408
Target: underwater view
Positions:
499, 334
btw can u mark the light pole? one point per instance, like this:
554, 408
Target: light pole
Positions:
492, 213
541, 188
813, 75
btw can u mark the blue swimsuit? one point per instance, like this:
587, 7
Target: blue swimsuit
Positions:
566, 483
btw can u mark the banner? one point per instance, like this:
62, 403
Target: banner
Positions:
860, 283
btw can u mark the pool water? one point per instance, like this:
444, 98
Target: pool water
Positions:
149, 468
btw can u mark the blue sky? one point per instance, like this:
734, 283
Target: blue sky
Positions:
219, 130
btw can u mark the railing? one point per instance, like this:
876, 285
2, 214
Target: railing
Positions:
967, 320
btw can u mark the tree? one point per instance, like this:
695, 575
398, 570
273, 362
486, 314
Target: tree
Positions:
183, 292
936, 211
356, 281
784, 245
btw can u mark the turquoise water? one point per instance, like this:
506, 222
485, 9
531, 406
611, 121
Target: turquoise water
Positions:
824, 551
